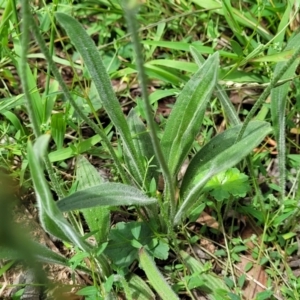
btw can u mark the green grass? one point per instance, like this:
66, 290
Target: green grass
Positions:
185, 184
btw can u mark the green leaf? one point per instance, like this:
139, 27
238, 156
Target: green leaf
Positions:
187, 114
40, 252
6, 104
233, 24
160, 94
228, 107
97, 218
69, 152
36, 101
139, 289
248, 266
155, 277
15, 121
265, 295
143, 145
58, 129
212, 284
165, 75
161, 250
126, 239
237, 48
44, 198
97, 70
50, 97
283, 28
184, 46
245, 18
180, 65
51, 217
105, 194
89, 291
278, 94
278, 110
220, 154
80, 147
225, 184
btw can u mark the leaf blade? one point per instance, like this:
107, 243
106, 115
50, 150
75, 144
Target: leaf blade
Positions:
219, 154
187, 115
97, 70
211, 282
105, 194
98, 218
51, 217
155, 277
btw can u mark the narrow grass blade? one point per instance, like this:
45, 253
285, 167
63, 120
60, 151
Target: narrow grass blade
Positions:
187, 114
98, 218
15, 121
51, 217
231, 21
211, 282
168, 76
174, 64
93, 61
81, 147
32, 89
105, 194
6, 266
11, 102
283, 27
155, 277
278, 105
268, 89
220, 154
58, 129
245, 18
184, 46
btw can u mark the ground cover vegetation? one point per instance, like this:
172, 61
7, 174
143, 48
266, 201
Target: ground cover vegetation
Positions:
149, 149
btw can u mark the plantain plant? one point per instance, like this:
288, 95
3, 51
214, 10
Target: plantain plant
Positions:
147, 155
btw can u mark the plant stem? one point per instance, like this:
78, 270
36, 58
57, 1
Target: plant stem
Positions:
220, 220
23, 67
51, 50
133, 28
68, 96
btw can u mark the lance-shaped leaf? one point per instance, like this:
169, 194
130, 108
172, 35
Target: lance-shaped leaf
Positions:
278, 105
145, 152
39, 252
51, 217
187, 114
97, 218
91, 57
139, 288
212, 285
143, 145
155, 277
107, 194
220, 154
228, 107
